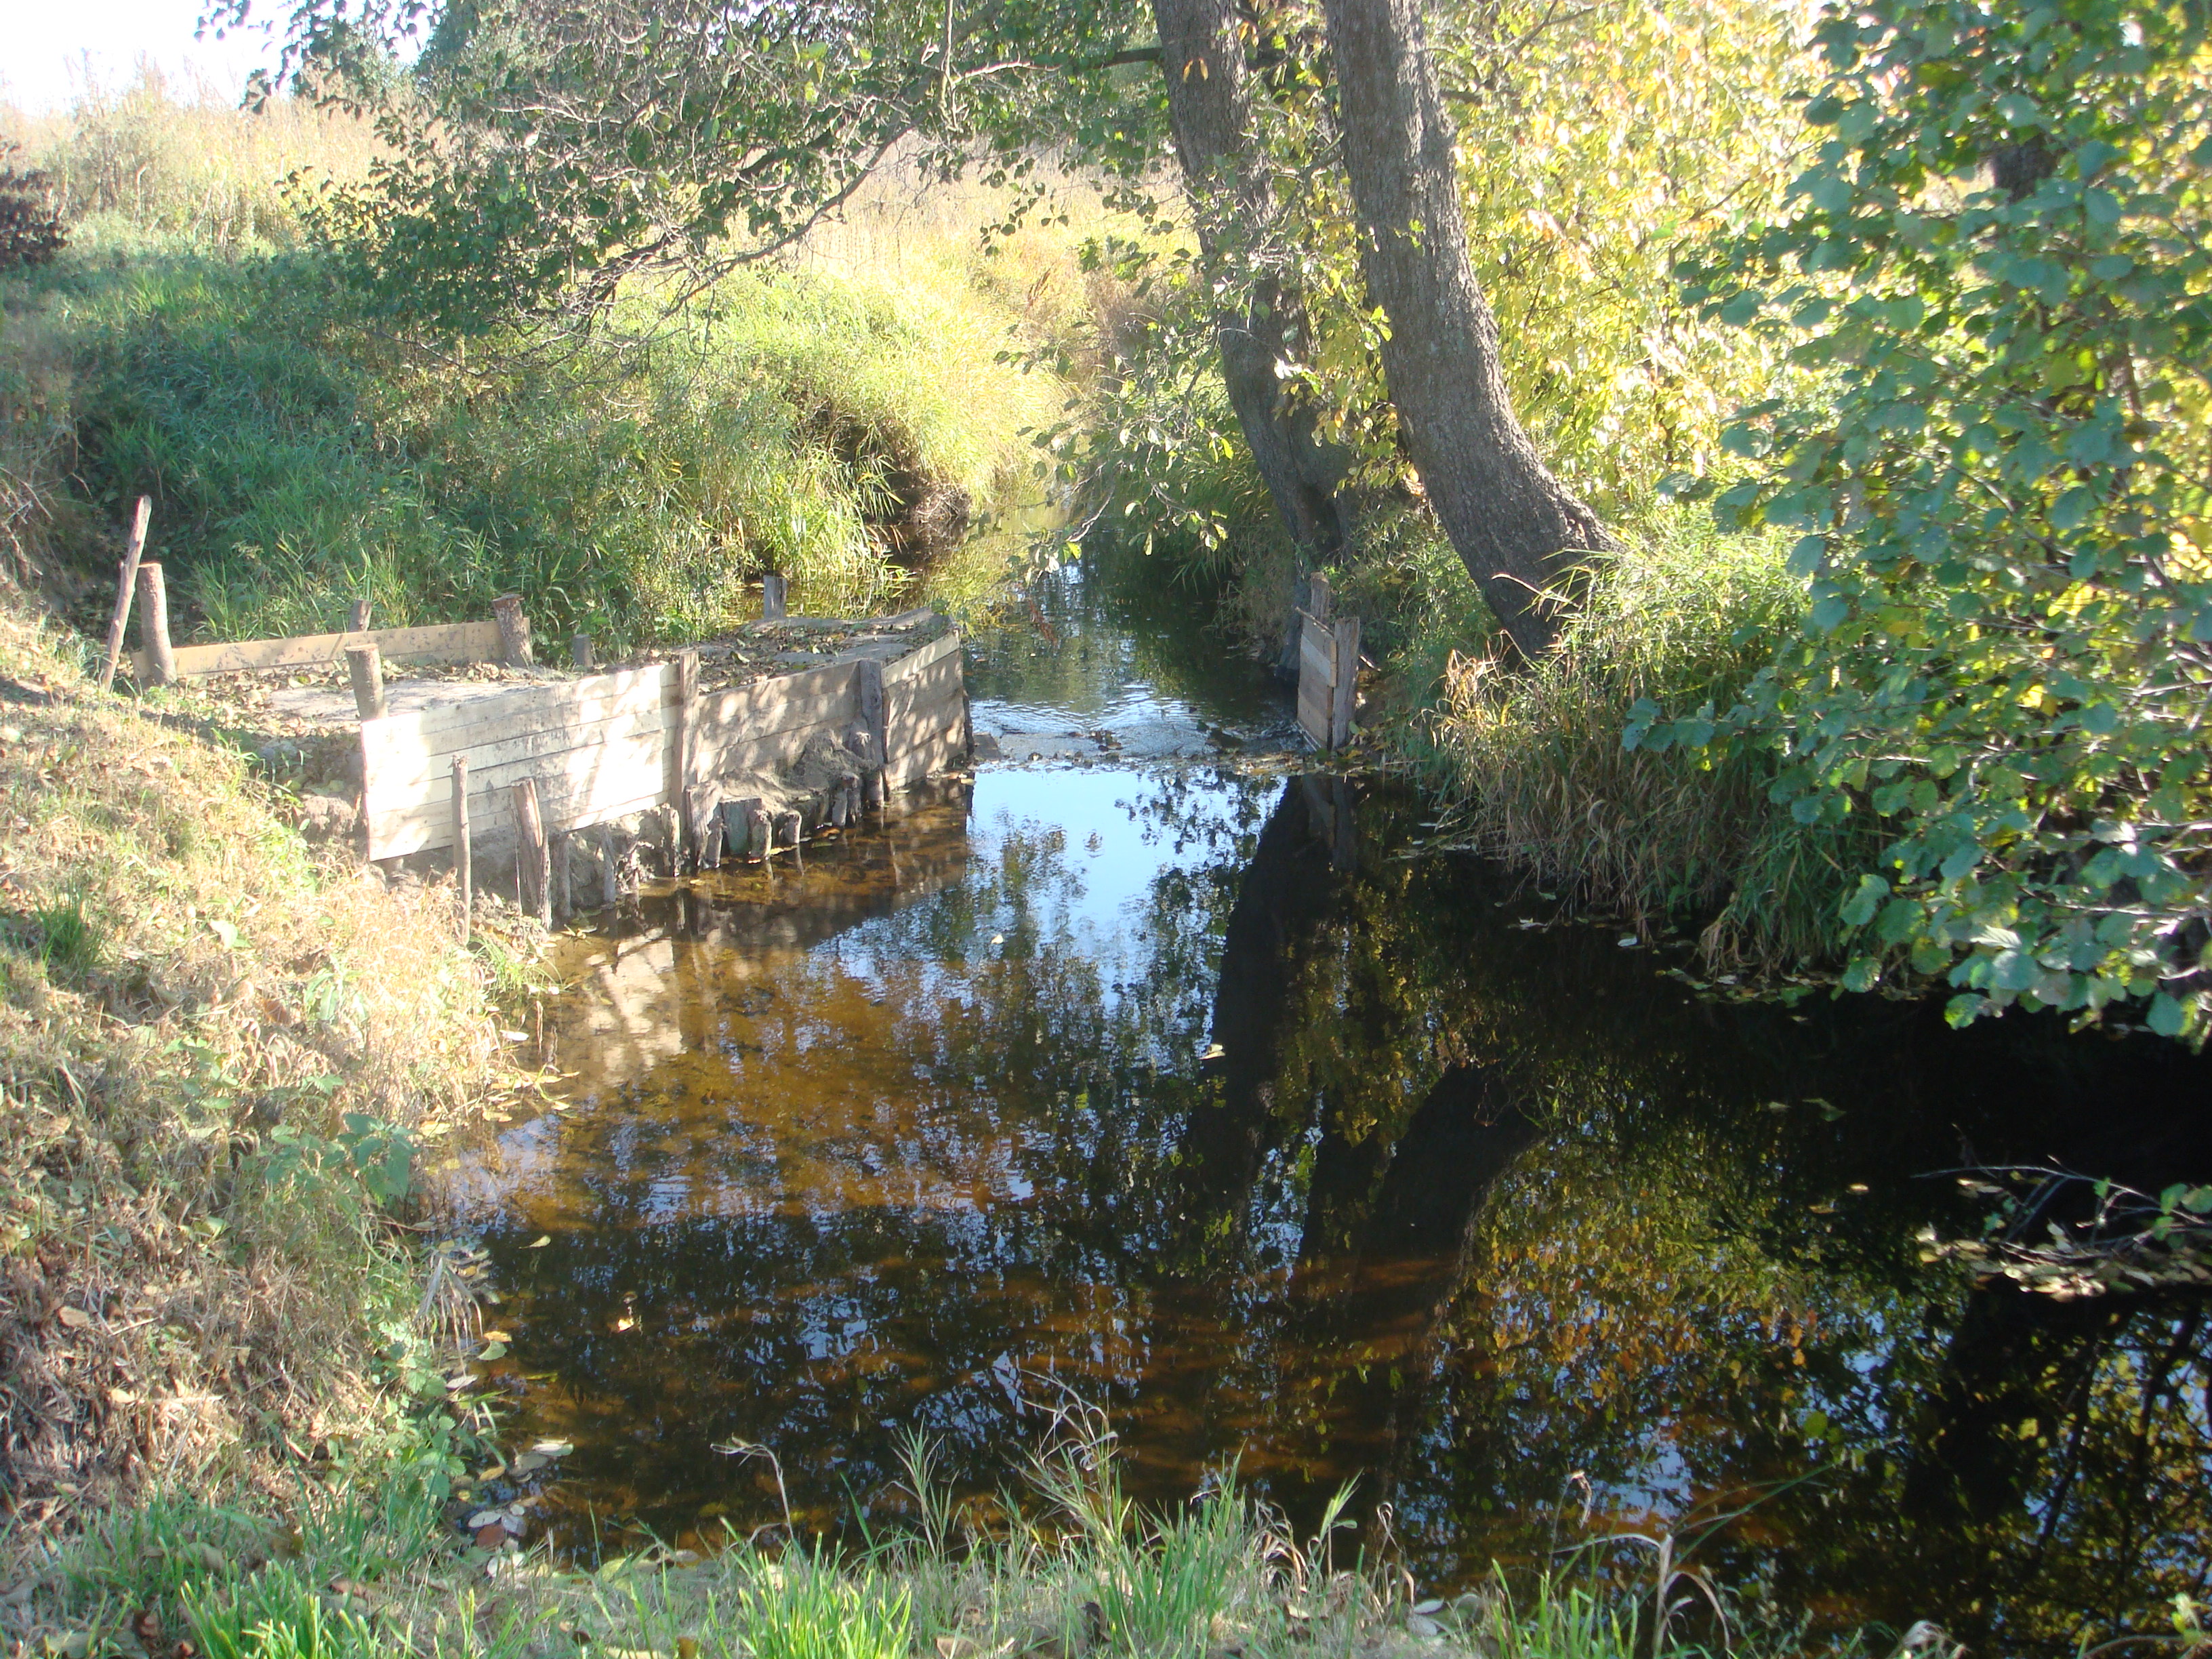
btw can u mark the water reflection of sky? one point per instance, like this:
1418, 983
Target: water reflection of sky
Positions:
850, 1150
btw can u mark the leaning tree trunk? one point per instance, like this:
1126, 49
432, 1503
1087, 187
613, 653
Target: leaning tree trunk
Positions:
1518, 528
1210, 106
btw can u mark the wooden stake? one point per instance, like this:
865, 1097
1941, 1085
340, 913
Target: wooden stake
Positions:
533, 863
788, 828
872, 789
687, 721
874, 719
1345, 699
760, 833
564, 883
1317, 597
772, 598
365, 664
463, 866
154, 625
358, 618
580, 651
125, 589
514, 648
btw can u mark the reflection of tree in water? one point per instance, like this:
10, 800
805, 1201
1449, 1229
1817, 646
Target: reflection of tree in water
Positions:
1465, 1209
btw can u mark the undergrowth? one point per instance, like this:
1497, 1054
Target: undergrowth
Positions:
218, 1049
1068, 1569
1534, 769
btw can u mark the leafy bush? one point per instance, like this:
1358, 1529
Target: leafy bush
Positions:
2000, 256
30, 227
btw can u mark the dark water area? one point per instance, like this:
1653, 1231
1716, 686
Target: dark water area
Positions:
1177, 1076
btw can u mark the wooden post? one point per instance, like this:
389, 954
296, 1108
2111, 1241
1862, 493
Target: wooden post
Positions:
760, 833
610, 856
1345, 699
513, 630
580, 651
563, 903
687, 716
1317, 597
875, 720
154, 625
128, 585
366, 662
772, 591
702, 814
358, 618
533, 862
788, 828
872, 789
464, 865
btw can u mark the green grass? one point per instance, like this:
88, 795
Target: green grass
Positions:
367, 1569
1534, 769
301, 458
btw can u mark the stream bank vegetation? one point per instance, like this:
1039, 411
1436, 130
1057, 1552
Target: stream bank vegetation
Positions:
219, 1049
1065, 1568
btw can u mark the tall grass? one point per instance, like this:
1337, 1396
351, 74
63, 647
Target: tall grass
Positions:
153, 159
1534, 765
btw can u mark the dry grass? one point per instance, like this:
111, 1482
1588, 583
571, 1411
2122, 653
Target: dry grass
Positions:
191, 1275
154, 159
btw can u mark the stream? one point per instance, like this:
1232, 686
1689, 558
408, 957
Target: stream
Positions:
1165, 1072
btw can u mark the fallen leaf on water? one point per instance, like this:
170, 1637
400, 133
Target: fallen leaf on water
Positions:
553, 1448
625, 1323
490, 1537
511, 1036
539, 1242
528, 1463
492, 1473
497, 1336
493, 1351
1213, 1051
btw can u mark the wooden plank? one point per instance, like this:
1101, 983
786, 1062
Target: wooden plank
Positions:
1344, 704
399, 768
762, 755
1317, 653
453, 726
914, 661
1314, 711
581, 788
439, 642
743, 712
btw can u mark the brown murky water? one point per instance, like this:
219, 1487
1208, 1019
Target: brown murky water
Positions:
1171, 1076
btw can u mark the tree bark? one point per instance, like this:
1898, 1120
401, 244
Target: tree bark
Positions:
1210, 108
1519, 530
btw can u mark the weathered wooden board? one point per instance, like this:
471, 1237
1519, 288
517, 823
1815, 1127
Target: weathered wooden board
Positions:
1317, 652
443, 642
754, 727
927, 657
604, 746
925, 710
453, 728
401, 764
1314, 709
582, 787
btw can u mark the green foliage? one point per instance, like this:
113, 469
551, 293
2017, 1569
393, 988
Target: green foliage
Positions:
811, 1610
1999, 258
1535, 762
626, 485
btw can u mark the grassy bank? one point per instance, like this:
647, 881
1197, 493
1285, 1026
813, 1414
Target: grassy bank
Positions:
1069, 1569
836, 418
217, 1051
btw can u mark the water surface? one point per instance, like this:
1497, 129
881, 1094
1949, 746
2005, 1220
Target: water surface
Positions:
1174, 1076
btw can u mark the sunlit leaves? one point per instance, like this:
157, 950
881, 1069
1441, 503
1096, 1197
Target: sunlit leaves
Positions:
1999, 260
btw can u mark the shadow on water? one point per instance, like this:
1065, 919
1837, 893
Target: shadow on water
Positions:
1183, 1085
